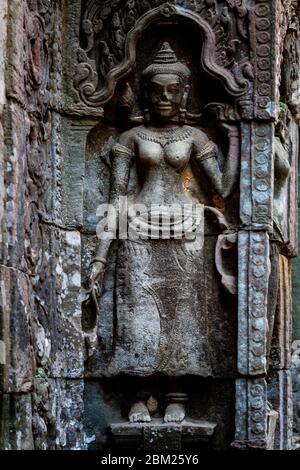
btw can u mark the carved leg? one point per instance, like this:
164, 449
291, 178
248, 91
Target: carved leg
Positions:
273, 292
139, 413
175, 413
175, 410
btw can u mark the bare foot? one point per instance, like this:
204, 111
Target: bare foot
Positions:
139, 413
175, 413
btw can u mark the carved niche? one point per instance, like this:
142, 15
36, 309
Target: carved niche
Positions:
110, 33
230, 48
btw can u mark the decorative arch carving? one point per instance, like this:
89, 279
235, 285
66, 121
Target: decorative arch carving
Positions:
235, 80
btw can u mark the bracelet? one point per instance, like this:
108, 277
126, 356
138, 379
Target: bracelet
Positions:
233, 134
121, 150
98, 259
201, 158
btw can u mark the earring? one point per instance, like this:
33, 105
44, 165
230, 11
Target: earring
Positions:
183, 110
145, 101
147, 115
182, 115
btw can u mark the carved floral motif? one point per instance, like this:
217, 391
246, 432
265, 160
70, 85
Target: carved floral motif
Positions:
263, 51
254, 251
105, 27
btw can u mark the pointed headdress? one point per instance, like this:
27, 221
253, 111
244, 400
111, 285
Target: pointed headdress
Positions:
166, 62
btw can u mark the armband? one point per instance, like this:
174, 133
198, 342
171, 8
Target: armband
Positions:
121, 150
208, 151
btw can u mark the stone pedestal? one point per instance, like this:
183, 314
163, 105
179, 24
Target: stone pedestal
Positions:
158, 435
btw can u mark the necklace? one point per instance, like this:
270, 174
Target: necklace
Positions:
164, 138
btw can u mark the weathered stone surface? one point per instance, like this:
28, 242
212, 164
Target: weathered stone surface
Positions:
107, 402
251, 413
16, 421
88, 87
291, 57
280, 355
16, 331
40, 262
58, 335
254, 271
257, 167
295, 371
221, 311
3, 47
161, 436
57, 417
280, 396
49, 418
74, 147
16, 39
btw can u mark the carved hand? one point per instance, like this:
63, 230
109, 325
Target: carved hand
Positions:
96, 277
231, 129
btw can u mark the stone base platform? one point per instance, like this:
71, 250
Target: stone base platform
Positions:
158, 435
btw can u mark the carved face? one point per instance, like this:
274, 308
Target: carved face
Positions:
165, 96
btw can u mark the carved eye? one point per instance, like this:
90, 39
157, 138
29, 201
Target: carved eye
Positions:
156, 88
174, 89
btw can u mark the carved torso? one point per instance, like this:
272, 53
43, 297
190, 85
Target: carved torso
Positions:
163, 157
282, 170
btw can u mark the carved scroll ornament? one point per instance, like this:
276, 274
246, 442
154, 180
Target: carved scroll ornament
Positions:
221, 54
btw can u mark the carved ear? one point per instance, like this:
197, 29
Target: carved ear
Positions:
183, 110
145, 102
185, 95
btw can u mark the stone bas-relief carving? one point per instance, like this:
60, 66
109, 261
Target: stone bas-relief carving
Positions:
267, 170
226, 22
160, 292
279, 236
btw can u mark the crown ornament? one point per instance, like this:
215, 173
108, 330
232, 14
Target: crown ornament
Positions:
165, 55
166, 62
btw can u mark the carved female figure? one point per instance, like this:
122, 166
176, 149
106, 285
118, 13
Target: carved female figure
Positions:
160, 287
278, 238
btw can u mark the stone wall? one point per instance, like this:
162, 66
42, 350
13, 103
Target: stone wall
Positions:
41, 381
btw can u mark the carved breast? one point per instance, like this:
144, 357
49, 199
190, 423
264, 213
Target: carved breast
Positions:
175, 154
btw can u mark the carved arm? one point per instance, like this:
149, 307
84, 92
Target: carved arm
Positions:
122, 156
121, 163
206, 157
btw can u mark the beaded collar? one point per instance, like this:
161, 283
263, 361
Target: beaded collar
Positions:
164, 138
